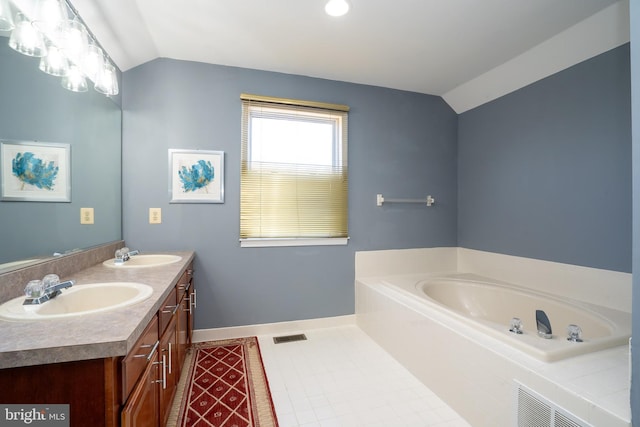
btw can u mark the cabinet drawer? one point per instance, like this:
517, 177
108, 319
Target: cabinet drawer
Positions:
134, 363
185, 281
168, 308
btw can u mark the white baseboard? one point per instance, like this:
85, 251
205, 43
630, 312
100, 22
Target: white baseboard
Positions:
279, 328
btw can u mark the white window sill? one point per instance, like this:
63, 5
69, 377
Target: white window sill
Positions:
265, 243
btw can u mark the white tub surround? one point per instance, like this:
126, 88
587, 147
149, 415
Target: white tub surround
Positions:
475, 372
595, 286
592, 285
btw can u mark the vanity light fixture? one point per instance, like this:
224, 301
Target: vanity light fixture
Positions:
55, 63
26, 39
54, 31
6, 16
337, 7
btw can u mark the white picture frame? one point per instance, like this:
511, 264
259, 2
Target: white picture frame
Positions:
35, 171
196, 176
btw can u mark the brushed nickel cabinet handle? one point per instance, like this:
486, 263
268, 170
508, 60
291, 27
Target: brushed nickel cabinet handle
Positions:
163, 381
172, 309
194, 302
150, 355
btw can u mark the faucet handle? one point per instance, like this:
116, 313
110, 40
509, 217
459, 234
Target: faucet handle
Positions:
50, 280
34, 289
574, 333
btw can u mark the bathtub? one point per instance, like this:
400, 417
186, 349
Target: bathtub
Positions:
488, 305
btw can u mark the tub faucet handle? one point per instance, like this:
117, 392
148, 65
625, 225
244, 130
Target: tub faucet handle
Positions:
543, 323
516, 325
574, 333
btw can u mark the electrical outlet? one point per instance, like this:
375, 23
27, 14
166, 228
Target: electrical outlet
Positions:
86, 215
155, 216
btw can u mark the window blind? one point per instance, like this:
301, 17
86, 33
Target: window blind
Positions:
289, 199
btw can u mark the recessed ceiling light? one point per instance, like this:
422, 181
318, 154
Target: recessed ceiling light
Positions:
337, 7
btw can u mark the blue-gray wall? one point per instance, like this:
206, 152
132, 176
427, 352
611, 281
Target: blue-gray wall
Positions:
401, 144
635, 117
545, 172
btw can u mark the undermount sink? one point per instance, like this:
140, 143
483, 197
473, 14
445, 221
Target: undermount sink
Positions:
142, 261
79, 300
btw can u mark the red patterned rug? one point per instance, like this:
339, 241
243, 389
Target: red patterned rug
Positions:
227, 387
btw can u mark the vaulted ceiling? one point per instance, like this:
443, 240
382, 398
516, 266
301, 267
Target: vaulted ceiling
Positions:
426, 46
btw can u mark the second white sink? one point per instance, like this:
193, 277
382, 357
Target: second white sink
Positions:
142, 261
79, 300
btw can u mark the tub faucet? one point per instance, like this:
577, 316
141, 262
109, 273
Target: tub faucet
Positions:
544, 326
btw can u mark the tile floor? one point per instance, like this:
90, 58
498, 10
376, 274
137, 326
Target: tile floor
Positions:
341, 377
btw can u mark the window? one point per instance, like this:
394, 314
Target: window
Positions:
293, 172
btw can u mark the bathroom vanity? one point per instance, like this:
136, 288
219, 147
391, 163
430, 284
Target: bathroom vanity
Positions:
114, 368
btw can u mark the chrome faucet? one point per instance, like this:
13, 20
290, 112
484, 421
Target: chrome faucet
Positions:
544, 325
46, 293
123, 255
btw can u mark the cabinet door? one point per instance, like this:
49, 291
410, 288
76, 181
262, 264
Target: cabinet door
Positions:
141, 409
182, 329
168, 362
193, 301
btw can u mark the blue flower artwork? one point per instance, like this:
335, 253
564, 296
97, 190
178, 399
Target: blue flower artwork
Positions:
32, 170
197, 177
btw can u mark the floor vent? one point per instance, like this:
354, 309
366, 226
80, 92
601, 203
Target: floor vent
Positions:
289, 338
533, 410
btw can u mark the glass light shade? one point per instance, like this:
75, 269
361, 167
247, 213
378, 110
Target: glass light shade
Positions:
93, 61
74, 40
49, 15
55, 62
336, 7
107, 82
26, 39
6, 16
74, 80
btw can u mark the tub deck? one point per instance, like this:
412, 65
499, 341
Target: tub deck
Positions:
476, 373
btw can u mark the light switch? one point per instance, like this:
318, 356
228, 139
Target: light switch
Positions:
155, 215
86, 215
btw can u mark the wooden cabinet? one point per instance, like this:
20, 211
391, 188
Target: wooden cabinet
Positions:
135, 363
186, 305
136, 390
140, 380
174, 329
86, 385
168, 355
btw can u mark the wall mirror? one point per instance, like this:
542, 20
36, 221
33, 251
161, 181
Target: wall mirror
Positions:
34, 107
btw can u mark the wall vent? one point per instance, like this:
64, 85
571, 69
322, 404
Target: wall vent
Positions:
534, 410
289, 338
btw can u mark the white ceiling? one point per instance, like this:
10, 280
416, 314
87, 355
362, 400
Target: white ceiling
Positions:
426, 46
